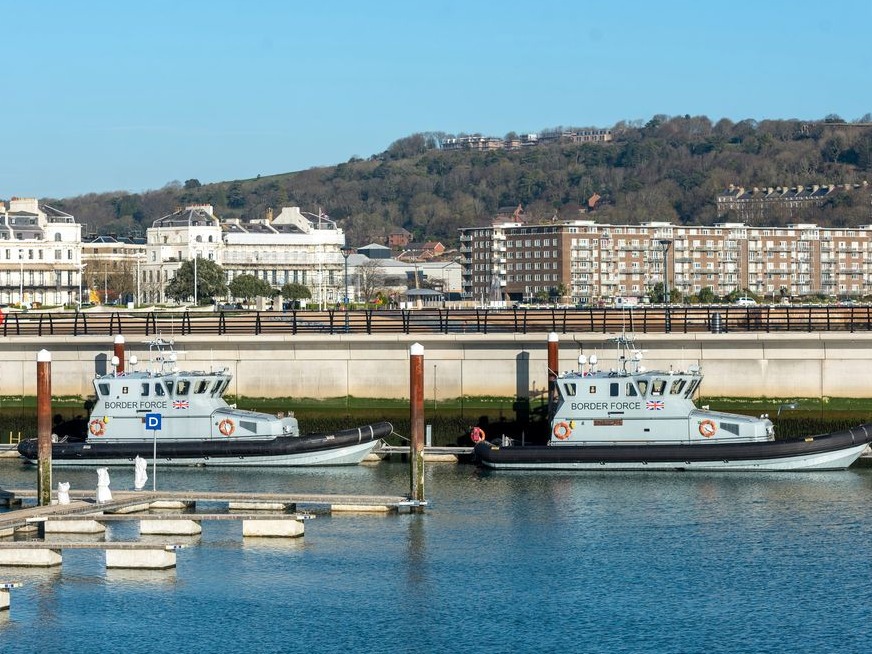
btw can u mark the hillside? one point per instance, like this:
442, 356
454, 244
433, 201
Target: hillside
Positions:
670, 169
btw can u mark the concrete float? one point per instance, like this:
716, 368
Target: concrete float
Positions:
142, 556
5, 599
273, 525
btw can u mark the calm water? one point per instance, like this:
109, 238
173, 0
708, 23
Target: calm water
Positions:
501, 562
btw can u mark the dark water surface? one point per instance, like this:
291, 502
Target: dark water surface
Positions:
501, 562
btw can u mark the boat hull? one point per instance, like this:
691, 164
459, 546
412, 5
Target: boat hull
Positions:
834, 451
346, 447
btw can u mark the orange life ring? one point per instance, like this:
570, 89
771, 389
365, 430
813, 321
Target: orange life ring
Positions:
477, 434
96, 427
226, 427
562, 431
707, 428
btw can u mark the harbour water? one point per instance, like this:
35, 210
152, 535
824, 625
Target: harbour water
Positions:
500, 562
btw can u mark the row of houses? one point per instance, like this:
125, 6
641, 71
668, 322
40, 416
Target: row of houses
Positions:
514, 142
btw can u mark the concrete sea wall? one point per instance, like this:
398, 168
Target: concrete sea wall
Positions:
740, 365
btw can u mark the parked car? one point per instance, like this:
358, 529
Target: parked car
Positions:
746, 302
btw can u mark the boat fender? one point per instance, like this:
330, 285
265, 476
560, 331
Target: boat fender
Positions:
562, 431
96, 427
226, 427
477, 434
707, 428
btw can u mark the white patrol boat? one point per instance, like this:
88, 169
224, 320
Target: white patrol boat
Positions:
630, 418
182, 419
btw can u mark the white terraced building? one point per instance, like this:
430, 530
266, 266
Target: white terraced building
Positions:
40, 254
295, 246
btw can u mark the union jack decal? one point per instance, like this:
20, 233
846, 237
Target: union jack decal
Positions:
180, 404
654, 405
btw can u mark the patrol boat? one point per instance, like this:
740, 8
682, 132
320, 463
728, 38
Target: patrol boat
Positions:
181, 419
629, 418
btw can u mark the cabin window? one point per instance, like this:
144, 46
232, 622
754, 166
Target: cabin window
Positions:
691, 388
657, 387
730, 427
677, 386
249, 425
614, 389
631, 390
183, 388
569, 389
201, 387
169, 387
159, 390
643, 386
146, 388
103, 389
218, 387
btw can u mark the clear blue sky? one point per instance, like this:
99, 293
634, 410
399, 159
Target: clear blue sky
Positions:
116, 95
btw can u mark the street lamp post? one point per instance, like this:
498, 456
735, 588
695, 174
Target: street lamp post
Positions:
81, 274
138, 298
346, 252
21, 278
196, 256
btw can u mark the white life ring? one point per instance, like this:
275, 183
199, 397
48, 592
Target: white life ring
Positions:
96, 427
226, 427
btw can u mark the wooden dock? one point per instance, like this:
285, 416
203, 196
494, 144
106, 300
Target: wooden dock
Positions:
431, 454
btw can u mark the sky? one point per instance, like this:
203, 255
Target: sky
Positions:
107, 96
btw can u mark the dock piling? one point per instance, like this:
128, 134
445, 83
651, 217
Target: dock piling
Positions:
553, 367
416, 415
118, 353
43, 426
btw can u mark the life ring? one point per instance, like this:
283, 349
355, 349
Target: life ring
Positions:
707, 428
96, 427
562, 431
477, 434
226, 427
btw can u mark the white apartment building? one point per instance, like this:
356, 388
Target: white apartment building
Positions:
40, 254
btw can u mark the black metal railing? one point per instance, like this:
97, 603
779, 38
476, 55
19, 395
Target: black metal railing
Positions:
646, 319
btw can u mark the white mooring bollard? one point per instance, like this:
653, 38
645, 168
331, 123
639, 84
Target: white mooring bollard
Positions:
103, 492
140, 476
63, 492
